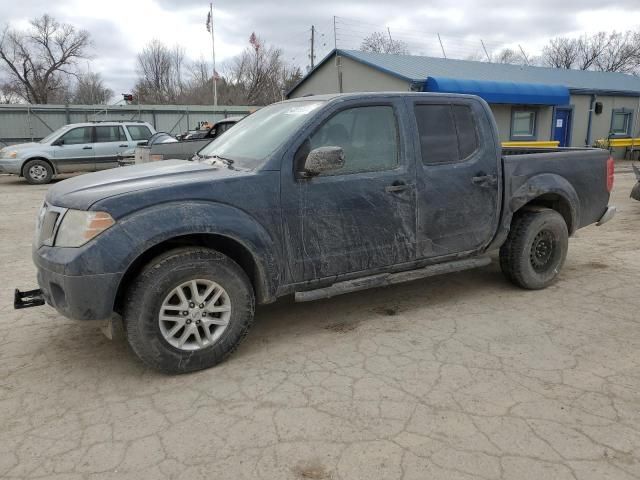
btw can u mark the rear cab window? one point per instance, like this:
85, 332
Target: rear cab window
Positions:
139, 132
448, 132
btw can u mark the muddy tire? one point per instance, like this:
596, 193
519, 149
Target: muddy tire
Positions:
37, 172
188, 310
535, 249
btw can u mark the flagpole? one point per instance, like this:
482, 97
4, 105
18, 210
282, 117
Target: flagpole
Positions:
213, 56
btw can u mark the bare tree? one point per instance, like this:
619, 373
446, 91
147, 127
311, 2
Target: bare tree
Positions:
562, 52
39, 61
379, 42
90, 90
160, 73
608, 52
510, 56
621, 53
259, 75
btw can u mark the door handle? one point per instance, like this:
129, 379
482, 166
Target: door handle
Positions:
485, 180
87, 148
125, 145
397, 186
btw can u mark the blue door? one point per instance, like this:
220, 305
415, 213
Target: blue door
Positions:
562, 126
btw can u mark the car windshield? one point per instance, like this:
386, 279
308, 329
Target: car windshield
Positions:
55, 134
255, 138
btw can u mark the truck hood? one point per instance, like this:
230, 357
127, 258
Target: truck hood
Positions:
18, 147
84, 190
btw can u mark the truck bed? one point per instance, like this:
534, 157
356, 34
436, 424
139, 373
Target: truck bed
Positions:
584, 169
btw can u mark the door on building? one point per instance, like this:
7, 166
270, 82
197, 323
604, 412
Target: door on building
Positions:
562, 126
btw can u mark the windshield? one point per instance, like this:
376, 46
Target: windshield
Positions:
255, 138
55, 134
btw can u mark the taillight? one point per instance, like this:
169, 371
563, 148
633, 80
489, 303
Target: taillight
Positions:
610, 174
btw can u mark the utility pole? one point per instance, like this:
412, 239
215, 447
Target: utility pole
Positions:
213, 57
313, 55
442, 47
485, 51
389, 32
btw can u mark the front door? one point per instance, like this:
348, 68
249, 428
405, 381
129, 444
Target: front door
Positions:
562, 126
73, 152
362, 216
458, 177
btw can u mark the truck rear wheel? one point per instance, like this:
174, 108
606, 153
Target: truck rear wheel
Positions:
535, 249
37, 172
188, 310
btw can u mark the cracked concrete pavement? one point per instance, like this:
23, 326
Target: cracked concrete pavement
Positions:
457, 377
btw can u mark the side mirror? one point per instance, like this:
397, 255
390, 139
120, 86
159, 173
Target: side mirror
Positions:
323, 159
58, 143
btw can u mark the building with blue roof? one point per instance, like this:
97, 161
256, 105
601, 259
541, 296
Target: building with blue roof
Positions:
530, 104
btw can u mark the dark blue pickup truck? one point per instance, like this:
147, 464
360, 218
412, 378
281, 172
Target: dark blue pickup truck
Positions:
313, 197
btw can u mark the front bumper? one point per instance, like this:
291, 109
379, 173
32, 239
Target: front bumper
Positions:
10, 165
80, 297
608, 214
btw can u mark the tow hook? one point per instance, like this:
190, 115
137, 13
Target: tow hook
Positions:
30, 298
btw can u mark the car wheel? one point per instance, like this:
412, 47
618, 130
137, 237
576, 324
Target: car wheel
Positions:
535, 249
37, 172
188, 310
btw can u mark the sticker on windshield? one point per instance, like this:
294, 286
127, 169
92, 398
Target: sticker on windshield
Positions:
302, 109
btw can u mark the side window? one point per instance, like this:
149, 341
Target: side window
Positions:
139, 132
110, 134
467, 133
437, 130
77, 136
368, 136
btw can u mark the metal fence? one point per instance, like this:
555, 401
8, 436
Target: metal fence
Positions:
26, 123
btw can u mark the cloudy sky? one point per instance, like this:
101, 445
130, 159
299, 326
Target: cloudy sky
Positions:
121, 28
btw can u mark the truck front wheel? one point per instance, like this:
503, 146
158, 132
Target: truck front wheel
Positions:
535, 249
188, 310
37, 172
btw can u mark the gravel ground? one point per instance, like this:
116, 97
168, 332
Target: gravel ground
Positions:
457, 377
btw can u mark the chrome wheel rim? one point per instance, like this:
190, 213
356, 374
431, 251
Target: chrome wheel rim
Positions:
194, 315
38, 172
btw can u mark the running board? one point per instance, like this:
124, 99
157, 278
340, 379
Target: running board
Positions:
384, 279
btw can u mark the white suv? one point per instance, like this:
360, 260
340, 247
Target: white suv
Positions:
79, 147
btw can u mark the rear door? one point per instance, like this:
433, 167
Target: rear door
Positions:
110, 141
458, 177
361, 217
75, 151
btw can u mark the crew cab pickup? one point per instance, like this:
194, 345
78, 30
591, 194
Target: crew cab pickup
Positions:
313, 197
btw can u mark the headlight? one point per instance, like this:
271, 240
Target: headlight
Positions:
9, 154
79, 226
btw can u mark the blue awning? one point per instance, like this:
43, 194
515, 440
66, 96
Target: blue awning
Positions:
501, 92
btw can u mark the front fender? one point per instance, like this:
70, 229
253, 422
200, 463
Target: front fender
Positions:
115, 250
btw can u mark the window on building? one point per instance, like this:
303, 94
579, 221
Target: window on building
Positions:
621, 121
447, 133
523, 124
110, 134
368, 136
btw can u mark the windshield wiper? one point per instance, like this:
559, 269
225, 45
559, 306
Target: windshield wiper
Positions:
229, 161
